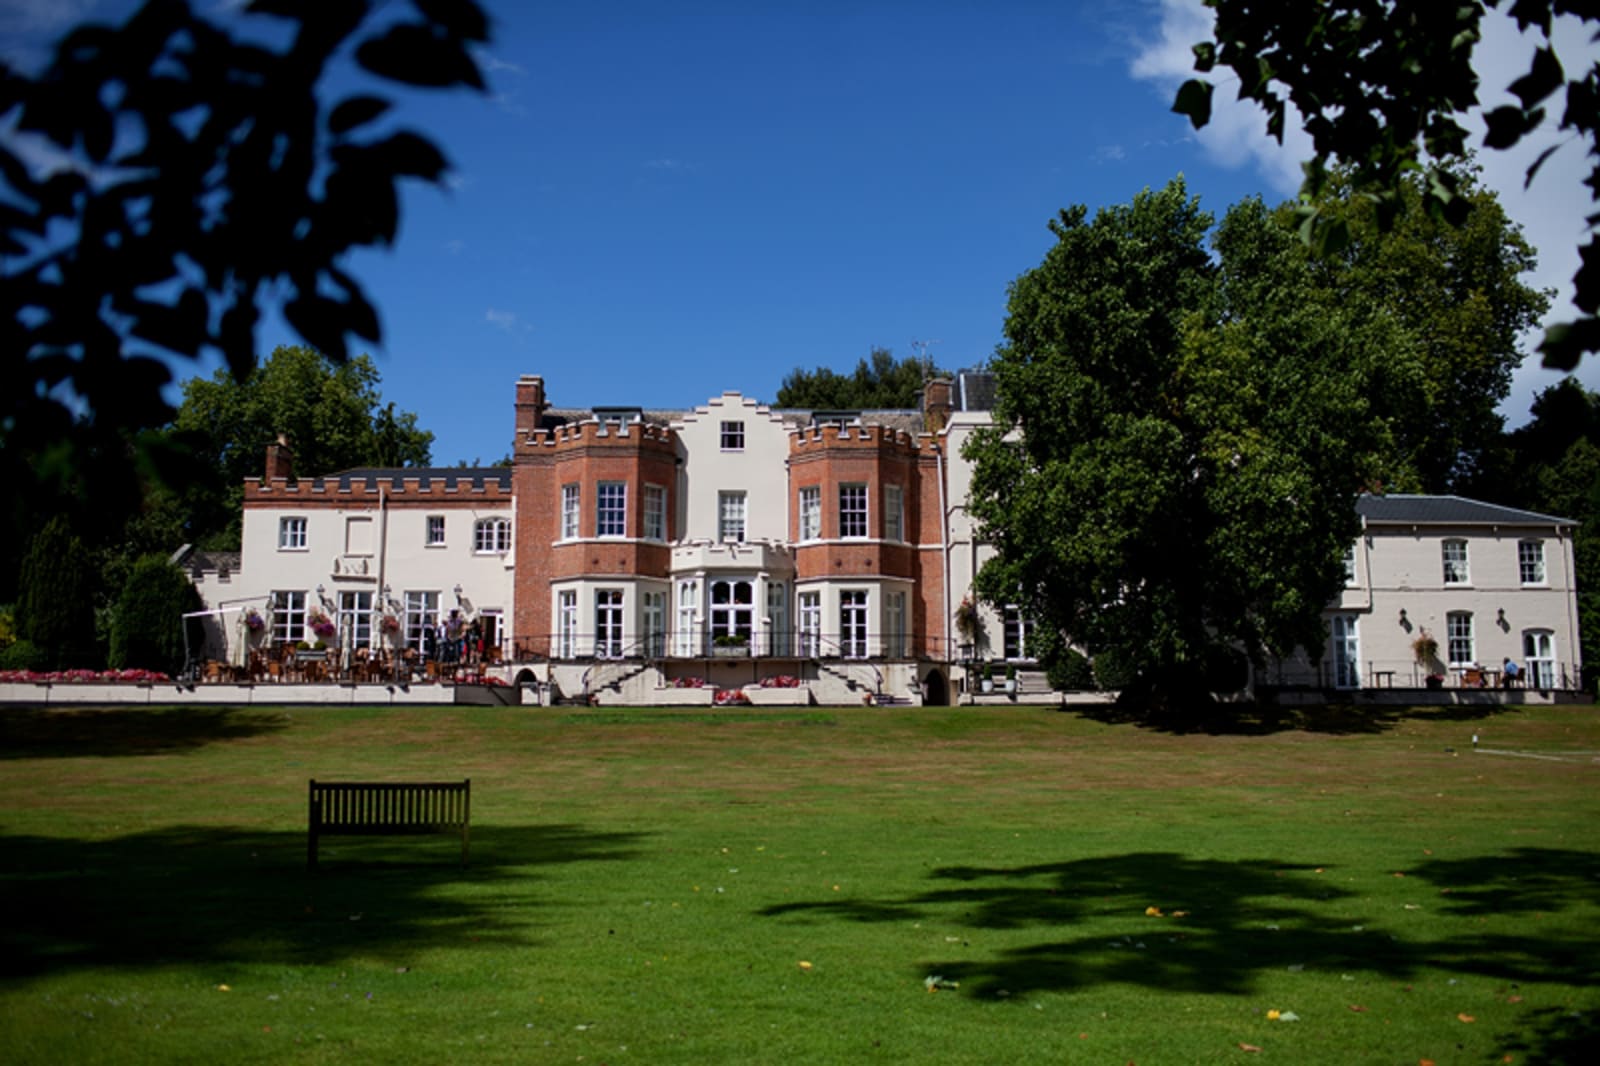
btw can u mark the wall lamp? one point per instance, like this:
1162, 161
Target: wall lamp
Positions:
1402, 616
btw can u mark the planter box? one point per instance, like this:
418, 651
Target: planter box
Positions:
778, 697
683, 697
740, 651
489, 695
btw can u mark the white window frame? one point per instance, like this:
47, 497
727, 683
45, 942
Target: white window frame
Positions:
810, 624
653, 623
854, 514
1453, 556
421, 612
1345, 634
810, 512
354, 618
566, 624
1530, 562
894, 513
1460, 647
571, 510
491, 536
894, 624
731, 511
288, 616
611, 509
608, 623
1539, 658
655, 512
1350, 566
293, 534
1015, 629
854, 623
687, 630
732, 435
434, 536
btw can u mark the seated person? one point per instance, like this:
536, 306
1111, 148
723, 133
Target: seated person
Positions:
1509, 674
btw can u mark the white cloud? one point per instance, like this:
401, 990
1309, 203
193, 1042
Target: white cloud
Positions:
509, 321
493, 64
1236, 135
1109, 153
1551, 212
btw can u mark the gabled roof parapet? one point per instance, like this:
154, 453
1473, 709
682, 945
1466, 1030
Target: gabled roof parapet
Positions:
853, 435
592, 431
488, 483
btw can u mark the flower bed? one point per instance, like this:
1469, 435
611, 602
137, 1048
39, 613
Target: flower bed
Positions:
730, 697
82, 676
781, 681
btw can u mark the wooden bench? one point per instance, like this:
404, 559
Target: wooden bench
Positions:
374, 808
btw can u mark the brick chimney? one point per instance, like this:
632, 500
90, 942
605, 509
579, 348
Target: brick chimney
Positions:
280, 460
936, 403
530, 404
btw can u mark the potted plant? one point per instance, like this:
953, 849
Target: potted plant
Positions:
986, 677
730, 644
968, 626
1011, 678
320, 624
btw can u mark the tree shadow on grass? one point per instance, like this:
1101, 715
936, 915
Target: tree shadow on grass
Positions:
193, 894
1217, 926
1264, 719
37, 733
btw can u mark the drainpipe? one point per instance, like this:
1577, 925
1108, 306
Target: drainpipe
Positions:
383, 552
944, 556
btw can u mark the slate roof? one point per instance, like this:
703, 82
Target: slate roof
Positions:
462, 478
1449, 511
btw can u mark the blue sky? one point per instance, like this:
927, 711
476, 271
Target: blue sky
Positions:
657, 202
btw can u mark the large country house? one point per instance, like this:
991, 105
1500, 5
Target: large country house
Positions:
657, 557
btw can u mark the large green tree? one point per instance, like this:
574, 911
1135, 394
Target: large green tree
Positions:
147, 621
164, 181
1177, 441
1455, 298
1384, 88
879, 382
1552, 465
56, 598
333, 417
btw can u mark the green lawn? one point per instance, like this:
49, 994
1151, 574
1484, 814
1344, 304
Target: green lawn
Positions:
785, 886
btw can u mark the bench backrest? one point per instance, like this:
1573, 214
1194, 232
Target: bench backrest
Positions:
376, 808
388, 807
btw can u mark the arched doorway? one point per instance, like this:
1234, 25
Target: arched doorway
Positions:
935, 689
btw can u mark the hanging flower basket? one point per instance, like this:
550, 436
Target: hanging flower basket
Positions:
321, 625
389, 625
253, 621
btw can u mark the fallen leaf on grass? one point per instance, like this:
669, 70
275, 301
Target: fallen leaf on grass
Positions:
224, 988
933, 982
1288, 1016
1152, 912
1513, 999
1357, 1008
1248, 1047
804, 965
1469, 1019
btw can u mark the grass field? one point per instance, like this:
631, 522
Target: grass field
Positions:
876, 885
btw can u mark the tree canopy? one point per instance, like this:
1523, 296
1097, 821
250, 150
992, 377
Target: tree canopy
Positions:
879, 382
1179, 436
333, 417
1382, 86
1458, 308
194, 177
